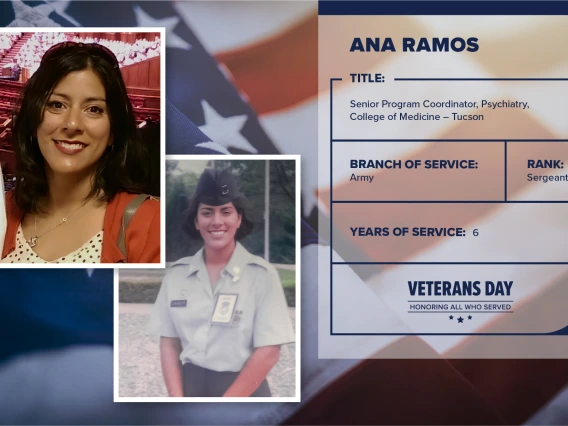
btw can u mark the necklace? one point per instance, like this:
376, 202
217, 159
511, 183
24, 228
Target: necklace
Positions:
33, 240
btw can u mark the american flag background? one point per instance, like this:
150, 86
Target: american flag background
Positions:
241, 77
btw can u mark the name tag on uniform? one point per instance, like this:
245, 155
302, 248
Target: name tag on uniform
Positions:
224, 308
178, 303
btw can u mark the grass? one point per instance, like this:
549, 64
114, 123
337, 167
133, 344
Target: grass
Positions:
146, 291
287, 277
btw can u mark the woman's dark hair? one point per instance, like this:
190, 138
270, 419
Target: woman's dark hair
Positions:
191, 214
121, 167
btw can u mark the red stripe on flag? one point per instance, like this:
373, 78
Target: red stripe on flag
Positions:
395, 391
518, 388
282, 71
278, 72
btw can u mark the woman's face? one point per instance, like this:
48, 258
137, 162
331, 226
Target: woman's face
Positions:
75, 130
217, 224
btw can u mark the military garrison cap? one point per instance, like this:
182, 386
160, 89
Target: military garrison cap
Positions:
217, 187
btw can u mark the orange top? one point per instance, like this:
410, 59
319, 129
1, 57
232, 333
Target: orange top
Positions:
142, 234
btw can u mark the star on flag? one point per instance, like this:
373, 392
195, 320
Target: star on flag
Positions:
37, 16
226, 131
144, 19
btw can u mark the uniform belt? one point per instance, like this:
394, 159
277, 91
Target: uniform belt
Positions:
203, 382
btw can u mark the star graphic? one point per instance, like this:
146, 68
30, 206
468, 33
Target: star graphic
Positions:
469, 317
60, 6
213, 146
172, 39
460, 320
37, 16
90, 272
225, 131
451, 317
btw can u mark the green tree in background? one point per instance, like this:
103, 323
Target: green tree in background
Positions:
250, 177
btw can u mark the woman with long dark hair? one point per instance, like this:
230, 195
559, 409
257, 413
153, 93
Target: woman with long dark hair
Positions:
80, 163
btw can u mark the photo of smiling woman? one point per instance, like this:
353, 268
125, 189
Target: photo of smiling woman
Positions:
80, 163
221, 314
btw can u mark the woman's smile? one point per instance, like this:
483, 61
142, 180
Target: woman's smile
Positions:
217, 224
75, 130
69, 147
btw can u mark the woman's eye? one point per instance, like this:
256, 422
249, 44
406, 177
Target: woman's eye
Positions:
95, 110
55, 104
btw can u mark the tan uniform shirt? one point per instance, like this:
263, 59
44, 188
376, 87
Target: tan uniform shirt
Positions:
219, 328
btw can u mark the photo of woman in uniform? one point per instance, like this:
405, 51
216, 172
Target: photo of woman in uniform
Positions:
221, 314
80, 162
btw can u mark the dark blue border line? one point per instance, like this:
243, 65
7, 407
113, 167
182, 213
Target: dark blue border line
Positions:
505, 171
450, 263
442, 8
450, 140
331, 80
446, 202
460, 301
460, 312
481, 79
560, 332
563, 331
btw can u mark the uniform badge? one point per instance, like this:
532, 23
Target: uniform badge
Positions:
224, 308
178, 303
237, 316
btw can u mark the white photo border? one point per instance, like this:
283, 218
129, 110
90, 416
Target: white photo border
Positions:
162, 32
298, 292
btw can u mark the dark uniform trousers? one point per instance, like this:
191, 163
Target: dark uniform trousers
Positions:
443, 391
202, 382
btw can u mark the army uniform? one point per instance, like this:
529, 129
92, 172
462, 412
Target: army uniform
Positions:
220, 326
